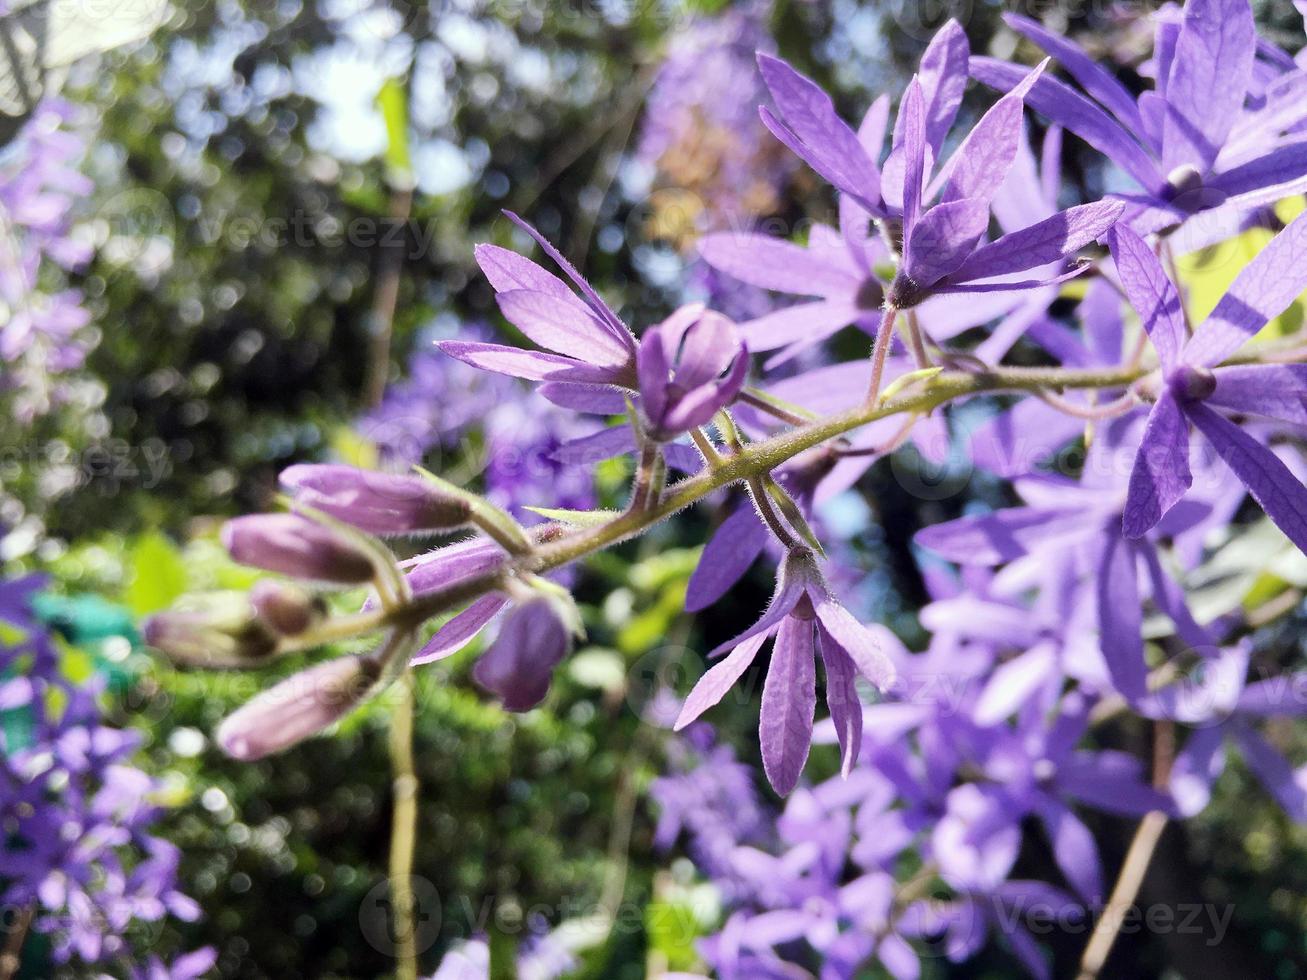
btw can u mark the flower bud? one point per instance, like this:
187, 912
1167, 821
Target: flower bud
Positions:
216, 630
286, 608
1191, 384
520, 663
379, 503
298, 707
294, 545
690, 366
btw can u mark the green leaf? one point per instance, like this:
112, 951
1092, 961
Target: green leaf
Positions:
393, 102
577, 518
158, 574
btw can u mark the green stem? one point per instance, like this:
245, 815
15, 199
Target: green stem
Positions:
403, 828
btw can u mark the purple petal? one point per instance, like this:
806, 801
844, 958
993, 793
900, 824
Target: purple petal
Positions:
1268, 177
1274, 773
800, 322
733, 547
595, 399
981, 163
1269, 481
1051, 240
1110, 781
943, 75
789, 700
1120, 618
1067, 107
1074, 850
528, 364
912, 121
791, 586
810, 126
943, 238
609, 443
595, 301
773, 263
992, 539
713, 685
1016, 441
1093, 78
507, 270
1196, 768
1161, 473
857, 641
565, 326
460, 630
1261, 292
1151, 293
1208, 80
1274, 391
1011, 686
842, 699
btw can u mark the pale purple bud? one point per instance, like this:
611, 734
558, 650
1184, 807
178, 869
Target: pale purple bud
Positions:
518, 666
215, 630
689, 366
298, 707
379, 503
294, 545
285, 607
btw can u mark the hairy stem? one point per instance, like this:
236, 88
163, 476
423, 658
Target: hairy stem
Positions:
403, 829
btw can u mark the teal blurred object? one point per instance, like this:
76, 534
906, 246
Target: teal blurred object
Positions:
90, 623
86, 621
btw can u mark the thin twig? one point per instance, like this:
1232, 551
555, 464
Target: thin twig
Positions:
1135, 866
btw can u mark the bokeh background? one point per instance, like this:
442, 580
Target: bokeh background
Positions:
251, 206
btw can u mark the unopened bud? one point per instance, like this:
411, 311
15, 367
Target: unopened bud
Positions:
285, 607
294, 545
216, 630
379, 503
298, 707
519, 665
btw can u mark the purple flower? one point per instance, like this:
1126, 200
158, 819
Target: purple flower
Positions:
518, 666
1194, 143
78, 817
294, 545
379, 503
689, 366
1223, 709
805, 619
587, 344
1190, 383
942, 248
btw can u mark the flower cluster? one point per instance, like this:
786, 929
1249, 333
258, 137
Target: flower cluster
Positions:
41, 320
1049, 622
80, 851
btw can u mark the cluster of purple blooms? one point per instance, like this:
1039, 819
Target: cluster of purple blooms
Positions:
79, 848
1038, 635
42, 320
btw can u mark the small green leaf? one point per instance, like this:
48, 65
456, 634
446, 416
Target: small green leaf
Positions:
577, 518
158, 574
393, 102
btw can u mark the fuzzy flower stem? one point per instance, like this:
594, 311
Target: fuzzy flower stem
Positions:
792, 414
749, 461
761, 501
884, 334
